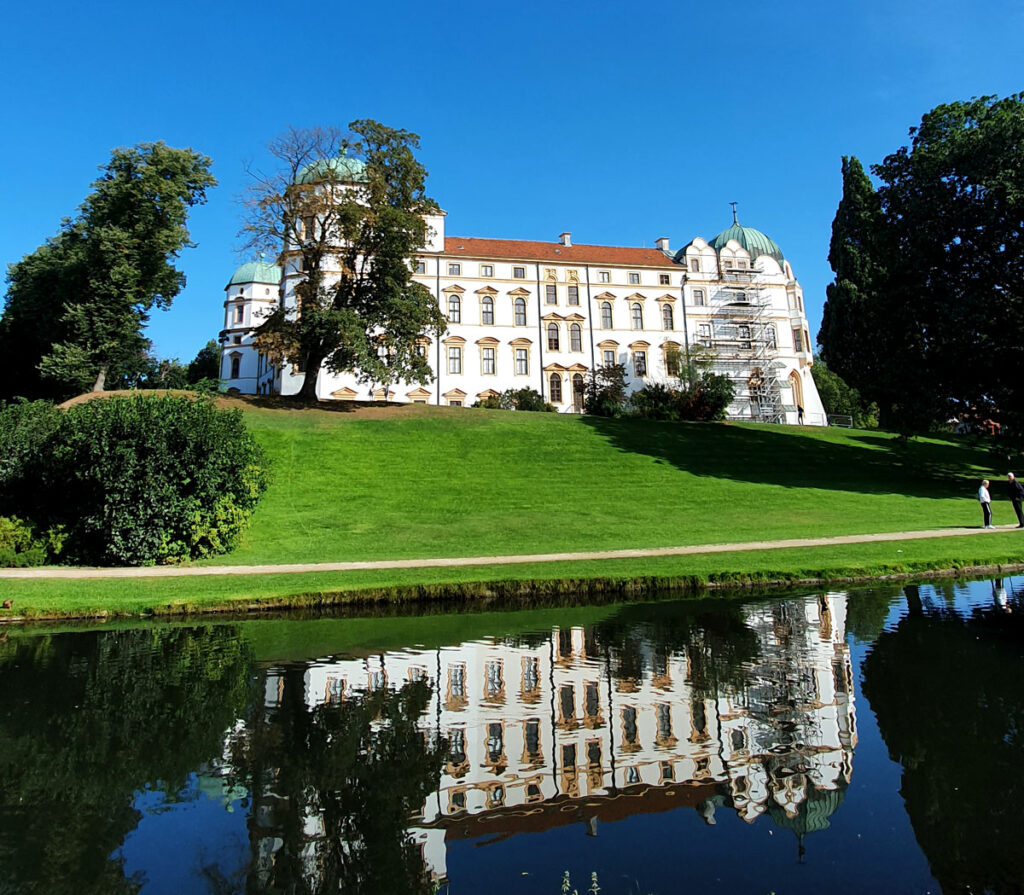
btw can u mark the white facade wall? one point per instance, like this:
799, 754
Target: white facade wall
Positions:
527, 349
244, 306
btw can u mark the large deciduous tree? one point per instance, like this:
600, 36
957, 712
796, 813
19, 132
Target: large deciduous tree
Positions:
76, 306
345, 215
926, 314
954, 204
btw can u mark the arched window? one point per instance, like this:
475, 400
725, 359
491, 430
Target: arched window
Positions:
575, 337
673, 359
520, 312
577, 392
236, 364
695, 265
487, 311
454, 309
638, 315
552, 337
606, 314
666, 317
556, 388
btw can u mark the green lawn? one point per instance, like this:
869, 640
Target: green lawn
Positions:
406, 482
448, 482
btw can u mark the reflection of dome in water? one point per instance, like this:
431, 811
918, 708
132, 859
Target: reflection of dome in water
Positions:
812, 814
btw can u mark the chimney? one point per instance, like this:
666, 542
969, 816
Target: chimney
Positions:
662, 243
565, 238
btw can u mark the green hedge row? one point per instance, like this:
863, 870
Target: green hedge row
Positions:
130, 480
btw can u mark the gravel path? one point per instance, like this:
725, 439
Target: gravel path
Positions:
639, 553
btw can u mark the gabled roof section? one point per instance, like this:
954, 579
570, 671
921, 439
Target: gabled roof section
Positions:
528, 250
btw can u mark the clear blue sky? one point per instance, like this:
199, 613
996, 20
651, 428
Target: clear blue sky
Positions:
619, 122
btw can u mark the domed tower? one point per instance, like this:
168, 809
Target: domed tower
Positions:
747, 309
253, 291
754, 241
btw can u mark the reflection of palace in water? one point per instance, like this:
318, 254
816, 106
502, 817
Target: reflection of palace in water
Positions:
549, 733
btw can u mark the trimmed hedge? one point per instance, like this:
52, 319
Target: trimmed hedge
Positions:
131, 480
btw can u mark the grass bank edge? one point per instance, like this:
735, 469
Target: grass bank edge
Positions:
520, 584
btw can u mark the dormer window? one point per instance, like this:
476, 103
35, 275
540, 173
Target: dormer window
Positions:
695, 265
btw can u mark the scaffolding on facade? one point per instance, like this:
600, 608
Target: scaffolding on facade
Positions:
745, 344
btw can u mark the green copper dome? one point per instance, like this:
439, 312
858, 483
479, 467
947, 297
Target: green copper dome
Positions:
341, 169
256, 272
754, 241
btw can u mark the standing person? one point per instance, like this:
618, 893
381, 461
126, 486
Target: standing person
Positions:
1016, 490
799, 415
985, 499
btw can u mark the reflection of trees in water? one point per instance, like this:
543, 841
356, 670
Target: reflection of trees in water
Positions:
959, 736
334, 788
713, 635
87, 720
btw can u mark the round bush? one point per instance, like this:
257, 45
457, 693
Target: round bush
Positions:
137, 480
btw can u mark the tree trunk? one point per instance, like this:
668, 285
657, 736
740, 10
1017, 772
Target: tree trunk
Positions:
308, 390
101, 379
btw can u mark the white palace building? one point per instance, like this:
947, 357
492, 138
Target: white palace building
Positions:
542, 315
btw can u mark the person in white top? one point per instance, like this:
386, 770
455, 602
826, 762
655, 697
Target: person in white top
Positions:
985, 499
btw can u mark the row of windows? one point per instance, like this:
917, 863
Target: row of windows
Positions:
519, 273
740, 264
521, 359
636, 313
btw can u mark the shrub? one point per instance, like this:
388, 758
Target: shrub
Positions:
605, 393
19, 546
138, 480
657, 402
704, 399
707, 398
517, 399
25, 429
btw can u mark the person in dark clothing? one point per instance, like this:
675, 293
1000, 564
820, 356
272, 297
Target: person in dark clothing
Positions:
1016, 490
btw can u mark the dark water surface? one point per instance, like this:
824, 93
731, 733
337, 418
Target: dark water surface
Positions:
835, 742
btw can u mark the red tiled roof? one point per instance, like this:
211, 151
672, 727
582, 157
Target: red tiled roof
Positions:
527, 250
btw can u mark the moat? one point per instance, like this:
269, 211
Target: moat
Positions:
834, 741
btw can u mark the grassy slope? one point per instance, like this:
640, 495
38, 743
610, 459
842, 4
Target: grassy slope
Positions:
465, 483
419, 481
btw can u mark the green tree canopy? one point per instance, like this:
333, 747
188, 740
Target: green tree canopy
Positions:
839, 398
76, 306
347, 211
926, 314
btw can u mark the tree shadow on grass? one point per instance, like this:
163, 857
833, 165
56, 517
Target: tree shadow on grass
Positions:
866, 463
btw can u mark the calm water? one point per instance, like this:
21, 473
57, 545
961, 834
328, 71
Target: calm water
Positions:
835, 742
